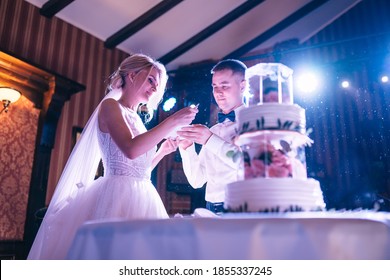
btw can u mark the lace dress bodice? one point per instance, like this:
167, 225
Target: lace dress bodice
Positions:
115, 162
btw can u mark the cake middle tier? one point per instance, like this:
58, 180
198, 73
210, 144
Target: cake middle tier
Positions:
273, 153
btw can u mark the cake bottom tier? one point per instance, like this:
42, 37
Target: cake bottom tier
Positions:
274, 195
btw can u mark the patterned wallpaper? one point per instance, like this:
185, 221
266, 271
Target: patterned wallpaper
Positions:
17, 144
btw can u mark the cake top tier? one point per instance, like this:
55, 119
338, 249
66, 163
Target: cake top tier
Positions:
270, 82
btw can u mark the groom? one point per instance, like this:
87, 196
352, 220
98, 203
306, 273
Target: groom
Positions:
212, 165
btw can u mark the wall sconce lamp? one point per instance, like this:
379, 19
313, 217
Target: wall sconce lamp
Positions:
8, 96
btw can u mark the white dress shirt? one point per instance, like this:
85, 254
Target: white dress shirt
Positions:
212, 165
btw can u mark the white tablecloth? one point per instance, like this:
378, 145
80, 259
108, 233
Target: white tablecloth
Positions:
317, 235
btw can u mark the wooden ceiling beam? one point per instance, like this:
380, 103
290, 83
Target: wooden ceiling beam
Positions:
51, 7
305, 10
210, 30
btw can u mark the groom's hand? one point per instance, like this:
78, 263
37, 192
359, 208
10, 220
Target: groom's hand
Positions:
184, 143
197, 133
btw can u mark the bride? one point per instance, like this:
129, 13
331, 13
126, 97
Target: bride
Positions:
116, 134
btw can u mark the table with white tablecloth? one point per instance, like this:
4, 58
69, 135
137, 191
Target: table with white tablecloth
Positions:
301, 235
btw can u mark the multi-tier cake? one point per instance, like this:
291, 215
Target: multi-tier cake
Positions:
272, 135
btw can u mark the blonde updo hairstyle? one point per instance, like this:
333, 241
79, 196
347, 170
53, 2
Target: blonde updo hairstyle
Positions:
136, 63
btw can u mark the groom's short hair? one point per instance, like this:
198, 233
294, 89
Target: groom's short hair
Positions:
235, 65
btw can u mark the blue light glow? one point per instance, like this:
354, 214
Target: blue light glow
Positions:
169, 104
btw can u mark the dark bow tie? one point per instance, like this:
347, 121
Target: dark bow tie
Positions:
231, 116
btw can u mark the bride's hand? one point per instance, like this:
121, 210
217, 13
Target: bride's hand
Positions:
184, 116
168, 146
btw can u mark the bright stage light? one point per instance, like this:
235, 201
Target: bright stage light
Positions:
345, 84
169, 104
308, 82
384, 79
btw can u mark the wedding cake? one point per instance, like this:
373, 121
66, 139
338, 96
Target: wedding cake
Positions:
271, 131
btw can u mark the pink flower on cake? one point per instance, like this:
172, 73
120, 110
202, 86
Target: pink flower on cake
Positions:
248, 172
280, 165
278, 171
279, 158
267, 162
258, 168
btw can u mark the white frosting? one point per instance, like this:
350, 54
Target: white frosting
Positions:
271, 116
274, 195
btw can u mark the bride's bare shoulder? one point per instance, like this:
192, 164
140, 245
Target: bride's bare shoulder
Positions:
109, 109
110, 102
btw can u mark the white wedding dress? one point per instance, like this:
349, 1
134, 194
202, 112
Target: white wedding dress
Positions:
124, 192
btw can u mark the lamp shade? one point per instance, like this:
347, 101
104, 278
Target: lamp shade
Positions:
9, 94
